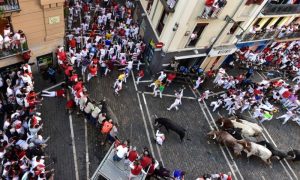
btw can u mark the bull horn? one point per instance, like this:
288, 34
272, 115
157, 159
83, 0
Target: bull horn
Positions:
215, 136
246, 144
222, 124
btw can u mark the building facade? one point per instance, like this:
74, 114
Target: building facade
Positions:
42, 22
195, 32
276, 23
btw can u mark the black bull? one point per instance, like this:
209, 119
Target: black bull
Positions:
170, 125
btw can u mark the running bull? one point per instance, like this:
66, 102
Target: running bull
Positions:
261, 151
170, 125
227, 139
248, 129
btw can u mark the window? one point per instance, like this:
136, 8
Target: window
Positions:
196, 34
9, 5
162, 22
234, 27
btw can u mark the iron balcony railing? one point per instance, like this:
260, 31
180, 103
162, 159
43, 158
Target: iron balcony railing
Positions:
278, 9
169, 5
294, 35
213, 14
259, 36
9, 5
10, 52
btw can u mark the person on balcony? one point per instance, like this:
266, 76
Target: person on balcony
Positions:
7, 42
208, 8
16, 40
1, 43
23, 41
254, 30
171, 3
217, 6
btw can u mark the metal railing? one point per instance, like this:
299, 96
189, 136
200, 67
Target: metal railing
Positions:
271, 35
293, 35
213, 14
259, 36
169, 7
9, 5
277, 9
10, 52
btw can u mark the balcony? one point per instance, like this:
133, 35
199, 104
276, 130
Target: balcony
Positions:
9, 5
212, 14
169, 5
282, 37
259, 36
279, 9
9, 52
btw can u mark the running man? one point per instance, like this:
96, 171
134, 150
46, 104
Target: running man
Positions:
177, 100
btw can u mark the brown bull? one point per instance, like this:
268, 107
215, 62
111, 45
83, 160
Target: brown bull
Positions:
227, 139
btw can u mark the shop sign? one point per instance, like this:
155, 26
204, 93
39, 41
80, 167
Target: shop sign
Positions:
44, 61
222, 50
54, 20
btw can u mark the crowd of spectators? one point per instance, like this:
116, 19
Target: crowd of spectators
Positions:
261, 99
277, 56
22, 146
12, 41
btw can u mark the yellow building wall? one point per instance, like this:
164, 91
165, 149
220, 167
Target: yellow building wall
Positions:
33, 20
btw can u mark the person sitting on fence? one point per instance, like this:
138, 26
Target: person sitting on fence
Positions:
136, 170
120, 151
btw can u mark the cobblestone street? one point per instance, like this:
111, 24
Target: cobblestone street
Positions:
134, 110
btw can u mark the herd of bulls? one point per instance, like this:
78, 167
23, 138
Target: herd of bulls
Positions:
236, 133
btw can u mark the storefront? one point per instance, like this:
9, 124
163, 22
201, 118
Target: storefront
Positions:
255, 46
216, 56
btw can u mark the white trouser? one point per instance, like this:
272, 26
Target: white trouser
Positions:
48, 93
231, 111
78, 62
196, 86
90, 76
247, 106
106, 71
285, 117
83, 69
138, 65
158, 91
215, 104
117, 89
175, 104
228, 104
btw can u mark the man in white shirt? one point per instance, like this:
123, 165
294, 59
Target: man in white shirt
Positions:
1, 42
120, 151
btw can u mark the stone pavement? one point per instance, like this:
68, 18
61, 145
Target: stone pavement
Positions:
284, 136
134, 111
